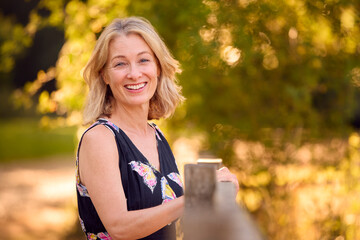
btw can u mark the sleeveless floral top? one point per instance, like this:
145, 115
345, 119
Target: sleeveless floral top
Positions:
144, 185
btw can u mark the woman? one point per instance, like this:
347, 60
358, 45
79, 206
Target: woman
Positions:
128, 184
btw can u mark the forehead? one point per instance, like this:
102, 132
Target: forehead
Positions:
126, 45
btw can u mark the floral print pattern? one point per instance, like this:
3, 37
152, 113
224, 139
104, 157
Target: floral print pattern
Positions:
157, 131
146, 172
167, 192
82, 190
101, 236
82, 224
110, 123
176, 178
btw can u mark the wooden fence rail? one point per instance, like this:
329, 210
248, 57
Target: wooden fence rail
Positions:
211, 212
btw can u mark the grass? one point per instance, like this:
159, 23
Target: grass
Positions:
23, 139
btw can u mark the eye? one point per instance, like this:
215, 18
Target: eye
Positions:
144, 60
119, 64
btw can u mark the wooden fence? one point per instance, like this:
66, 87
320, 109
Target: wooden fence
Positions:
211, 212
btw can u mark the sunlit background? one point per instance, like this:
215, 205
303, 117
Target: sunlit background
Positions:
272, 88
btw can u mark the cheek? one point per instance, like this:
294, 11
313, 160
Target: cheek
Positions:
155, 78
116, 77
153, 70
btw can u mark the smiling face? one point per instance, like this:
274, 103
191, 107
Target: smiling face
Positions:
131, 70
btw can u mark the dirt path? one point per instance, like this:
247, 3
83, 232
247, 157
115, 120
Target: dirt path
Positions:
38, 201
38, 198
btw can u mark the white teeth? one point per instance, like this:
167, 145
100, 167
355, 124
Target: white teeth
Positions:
135, 87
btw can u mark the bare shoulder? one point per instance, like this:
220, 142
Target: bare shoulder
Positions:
98, 144
97, 137
100, 132
98, 153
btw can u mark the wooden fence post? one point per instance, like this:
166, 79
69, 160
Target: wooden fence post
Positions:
211, 212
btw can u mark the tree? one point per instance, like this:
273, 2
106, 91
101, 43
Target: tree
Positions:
248, 65
276, 73
254, 65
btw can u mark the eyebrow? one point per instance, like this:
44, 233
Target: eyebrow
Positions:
140, 53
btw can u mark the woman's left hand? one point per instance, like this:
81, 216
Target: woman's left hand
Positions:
224, 175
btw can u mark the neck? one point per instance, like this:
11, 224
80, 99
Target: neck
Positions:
132, 119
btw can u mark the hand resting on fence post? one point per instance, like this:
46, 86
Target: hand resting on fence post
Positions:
211, 212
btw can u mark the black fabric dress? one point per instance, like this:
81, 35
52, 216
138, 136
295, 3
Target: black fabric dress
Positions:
144, 186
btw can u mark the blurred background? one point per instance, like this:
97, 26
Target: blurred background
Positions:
272, 88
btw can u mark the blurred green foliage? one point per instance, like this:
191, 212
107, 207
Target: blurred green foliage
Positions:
249, 66
253, 64
311, 189
26, 139
271, 87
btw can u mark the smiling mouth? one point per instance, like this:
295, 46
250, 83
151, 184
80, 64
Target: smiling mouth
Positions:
135, 86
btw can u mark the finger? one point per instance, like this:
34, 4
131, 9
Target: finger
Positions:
225, 177
224, 169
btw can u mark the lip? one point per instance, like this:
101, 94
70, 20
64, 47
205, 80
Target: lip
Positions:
135, 87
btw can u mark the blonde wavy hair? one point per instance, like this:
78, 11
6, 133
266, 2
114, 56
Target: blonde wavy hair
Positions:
167, 94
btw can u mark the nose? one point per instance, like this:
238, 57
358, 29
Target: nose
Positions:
134, 72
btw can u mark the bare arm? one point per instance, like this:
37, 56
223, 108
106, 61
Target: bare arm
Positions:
99, 172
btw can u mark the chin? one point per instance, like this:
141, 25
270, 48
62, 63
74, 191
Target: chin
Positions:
139, 102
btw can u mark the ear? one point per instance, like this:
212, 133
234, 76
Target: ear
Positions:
158, 73
158, 68
104, 77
